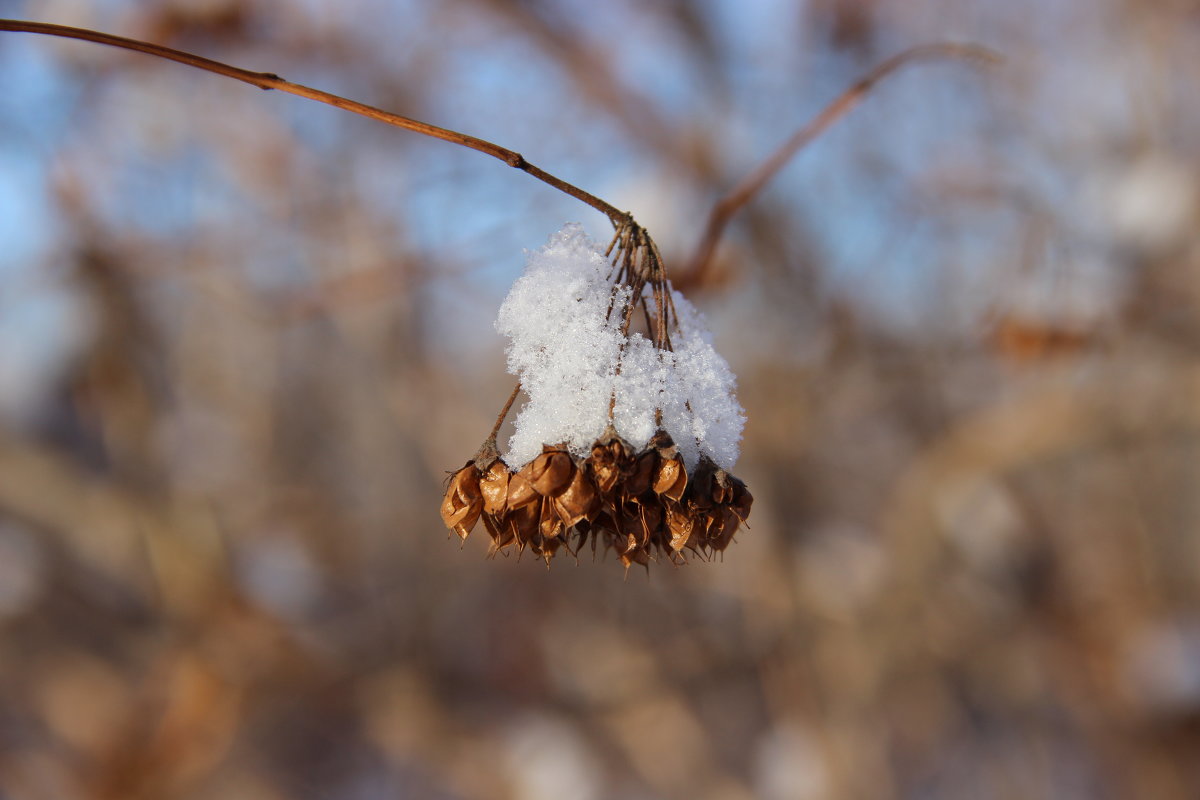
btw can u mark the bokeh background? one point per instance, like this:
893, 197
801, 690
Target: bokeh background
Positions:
244, 336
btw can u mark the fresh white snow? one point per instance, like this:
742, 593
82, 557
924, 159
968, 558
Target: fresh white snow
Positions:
574, 364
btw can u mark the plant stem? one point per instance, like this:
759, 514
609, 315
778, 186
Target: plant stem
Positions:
269, 80
745, 191
504, 413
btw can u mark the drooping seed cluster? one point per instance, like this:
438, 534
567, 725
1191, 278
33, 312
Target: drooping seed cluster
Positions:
626, 435
640, 505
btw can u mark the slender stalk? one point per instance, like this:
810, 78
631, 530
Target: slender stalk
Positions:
269, 80
721, 213
745, 191
488, 453
504, 413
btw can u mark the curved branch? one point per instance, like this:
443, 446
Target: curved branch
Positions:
745, 191
269, 80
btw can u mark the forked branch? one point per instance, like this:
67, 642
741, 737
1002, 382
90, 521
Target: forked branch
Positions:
745, 191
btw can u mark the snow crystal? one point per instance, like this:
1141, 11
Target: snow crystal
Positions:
575, 365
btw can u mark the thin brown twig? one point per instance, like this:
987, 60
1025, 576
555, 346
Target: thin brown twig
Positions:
504, 412
745, 191
269, 80
488, 453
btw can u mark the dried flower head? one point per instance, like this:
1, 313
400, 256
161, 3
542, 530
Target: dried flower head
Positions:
627, 435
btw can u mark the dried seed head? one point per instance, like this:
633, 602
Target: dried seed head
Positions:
648, 486
640, 505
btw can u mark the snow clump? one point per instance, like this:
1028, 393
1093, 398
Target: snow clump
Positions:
563, 321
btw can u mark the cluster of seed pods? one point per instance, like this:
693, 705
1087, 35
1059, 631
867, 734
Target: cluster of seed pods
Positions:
640, 505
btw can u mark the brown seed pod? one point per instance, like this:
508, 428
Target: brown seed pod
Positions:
604, 529
722, 491
700, 494
550, 472
550, 525
723, 534
680, 524
462, 503
640, 505
500, 532
742, 499
579, 501
641, 477
608, 462
637, 531
520, 491
670, 479
713, 520
523, 522
651, 517
493, 485
546, 548
634, 557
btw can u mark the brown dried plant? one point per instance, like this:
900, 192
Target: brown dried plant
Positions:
639, 503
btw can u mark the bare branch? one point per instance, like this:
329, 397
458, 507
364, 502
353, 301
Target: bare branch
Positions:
745, 191
269, 80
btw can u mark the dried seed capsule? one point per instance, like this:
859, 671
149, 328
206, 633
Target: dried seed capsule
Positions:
604, 527
547, 548
639, 480
523, 522
708, 525
651, 517
500, 532
550, 524
722, 491
702, 484
742, 500
728, 527
634, 557
493, 485
670, 479
680, 525
520, 491
463, 502
550, 472
579, 501
607, 463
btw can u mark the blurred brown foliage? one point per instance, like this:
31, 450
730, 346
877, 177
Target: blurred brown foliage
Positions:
973, 568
